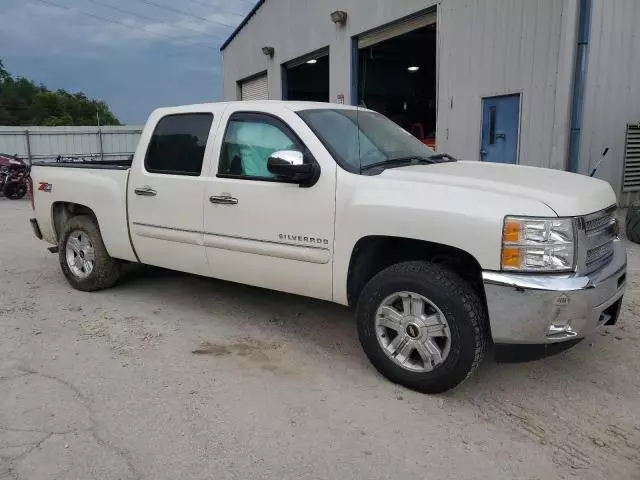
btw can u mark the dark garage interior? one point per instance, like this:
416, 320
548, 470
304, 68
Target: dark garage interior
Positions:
308, 80
397, 77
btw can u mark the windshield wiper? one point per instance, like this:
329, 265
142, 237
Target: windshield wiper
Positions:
442, 156
398, 162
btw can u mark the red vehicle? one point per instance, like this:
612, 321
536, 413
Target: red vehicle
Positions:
11, 162
14, 176
417, 130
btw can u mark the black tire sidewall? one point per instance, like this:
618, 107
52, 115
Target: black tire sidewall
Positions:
10, 189
432, 282
20, 192
632, 223
105, 269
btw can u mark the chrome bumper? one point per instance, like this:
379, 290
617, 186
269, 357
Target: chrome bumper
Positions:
542, 309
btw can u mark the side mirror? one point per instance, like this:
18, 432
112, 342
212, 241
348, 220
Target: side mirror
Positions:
290, 164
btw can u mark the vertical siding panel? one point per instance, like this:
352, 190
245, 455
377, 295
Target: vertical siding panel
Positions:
495, 47
612, 97
552, 55
537, 154
525, 83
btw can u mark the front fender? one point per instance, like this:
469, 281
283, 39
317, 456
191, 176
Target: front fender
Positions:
463, 218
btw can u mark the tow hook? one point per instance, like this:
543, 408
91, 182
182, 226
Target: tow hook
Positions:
53, 249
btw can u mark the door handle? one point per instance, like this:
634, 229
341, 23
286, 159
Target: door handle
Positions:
223, 200
483, 151
145, 191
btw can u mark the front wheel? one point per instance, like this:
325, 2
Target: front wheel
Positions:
84, 258
422, 326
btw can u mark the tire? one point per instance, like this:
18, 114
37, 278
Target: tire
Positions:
14, 190
449, 296
81, 233
632, 222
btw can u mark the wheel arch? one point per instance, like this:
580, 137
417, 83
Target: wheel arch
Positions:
372, 254
61, 212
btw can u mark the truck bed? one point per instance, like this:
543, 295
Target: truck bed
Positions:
98, 186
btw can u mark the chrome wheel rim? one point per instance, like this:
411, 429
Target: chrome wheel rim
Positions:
412, 331
80, 254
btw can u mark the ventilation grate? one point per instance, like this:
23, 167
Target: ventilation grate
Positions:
631, 177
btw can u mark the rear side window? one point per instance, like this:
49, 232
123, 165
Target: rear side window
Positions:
178, 143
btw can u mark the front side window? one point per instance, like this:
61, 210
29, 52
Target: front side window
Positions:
249, 141
360, 138
178, 143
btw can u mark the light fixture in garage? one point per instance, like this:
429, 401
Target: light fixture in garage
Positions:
413, 68
312, 61
269, 51
339, 17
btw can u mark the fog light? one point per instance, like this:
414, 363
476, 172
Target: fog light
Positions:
561, 329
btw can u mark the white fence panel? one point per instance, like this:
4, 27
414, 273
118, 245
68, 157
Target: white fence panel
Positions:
71, 143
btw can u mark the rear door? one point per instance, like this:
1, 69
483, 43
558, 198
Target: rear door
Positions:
166, 189
260, 230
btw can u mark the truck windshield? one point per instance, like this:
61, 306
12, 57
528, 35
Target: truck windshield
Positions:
359, 139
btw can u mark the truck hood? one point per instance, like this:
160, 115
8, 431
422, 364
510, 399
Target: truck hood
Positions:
568, 194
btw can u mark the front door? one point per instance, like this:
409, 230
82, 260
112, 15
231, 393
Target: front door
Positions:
261, 230
166, 191
500, 126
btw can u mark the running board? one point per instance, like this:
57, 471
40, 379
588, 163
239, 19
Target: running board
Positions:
53, 249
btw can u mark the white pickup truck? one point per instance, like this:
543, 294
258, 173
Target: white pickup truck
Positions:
440, 258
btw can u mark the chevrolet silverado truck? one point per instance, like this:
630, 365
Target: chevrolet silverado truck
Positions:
440, 258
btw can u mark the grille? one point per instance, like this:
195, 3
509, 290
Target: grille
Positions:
600, 231
599, 253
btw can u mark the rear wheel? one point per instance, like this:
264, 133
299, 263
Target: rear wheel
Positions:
84, 258
422, 326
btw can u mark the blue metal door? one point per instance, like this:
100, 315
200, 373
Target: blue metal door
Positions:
500, 125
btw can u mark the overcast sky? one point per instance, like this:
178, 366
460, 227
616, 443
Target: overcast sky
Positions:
148, 55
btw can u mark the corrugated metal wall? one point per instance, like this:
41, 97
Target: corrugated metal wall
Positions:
43, 143
497, 47
612, 95
486, 48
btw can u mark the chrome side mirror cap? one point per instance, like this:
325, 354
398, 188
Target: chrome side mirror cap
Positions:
286, 157
290, 165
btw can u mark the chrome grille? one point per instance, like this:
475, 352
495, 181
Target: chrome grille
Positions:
600, 230
598, 253
600, 221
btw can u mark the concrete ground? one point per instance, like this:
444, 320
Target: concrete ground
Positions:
170, 376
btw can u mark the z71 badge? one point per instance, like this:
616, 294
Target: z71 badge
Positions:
45, 187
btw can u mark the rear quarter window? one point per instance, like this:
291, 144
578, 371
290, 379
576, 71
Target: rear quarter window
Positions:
178, 143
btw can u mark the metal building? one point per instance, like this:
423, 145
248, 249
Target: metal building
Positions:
548, 83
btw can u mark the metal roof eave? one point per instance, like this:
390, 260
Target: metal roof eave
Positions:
242, 24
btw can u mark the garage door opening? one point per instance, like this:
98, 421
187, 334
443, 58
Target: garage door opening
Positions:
307, 78
397, 75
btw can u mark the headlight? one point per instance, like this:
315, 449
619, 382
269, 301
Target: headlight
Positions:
538, 244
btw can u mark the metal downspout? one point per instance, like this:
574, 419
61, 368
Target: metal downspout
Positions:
579, 80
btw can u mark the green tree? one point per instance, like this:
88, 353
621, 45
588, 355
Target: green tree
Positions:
23, 102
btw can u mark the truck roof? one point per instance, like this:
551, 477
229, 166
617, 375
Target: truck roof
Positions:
247, 104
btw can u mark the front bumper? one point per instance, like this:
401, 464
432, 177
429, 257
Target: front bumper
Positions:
545, 309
